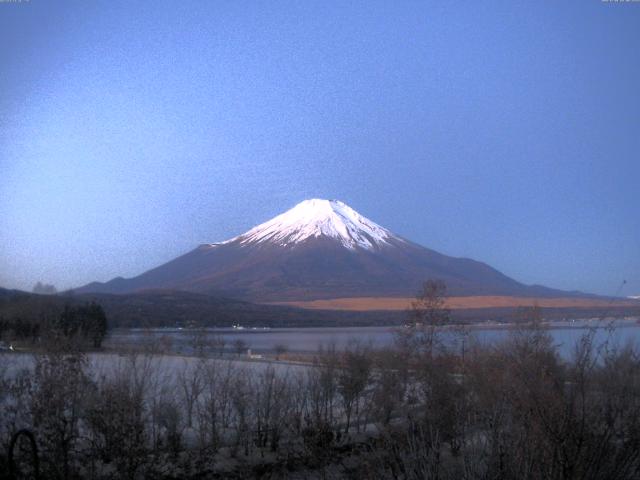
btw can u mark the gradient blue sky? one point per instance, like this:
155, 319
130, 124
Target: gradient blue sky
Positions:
508, 132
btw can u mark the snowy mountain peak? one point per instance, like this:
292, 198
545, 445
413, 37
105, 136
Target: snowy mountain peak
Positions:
319, 218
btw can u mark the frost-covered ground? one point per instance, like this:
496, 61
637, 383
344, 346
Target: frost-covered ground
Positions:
168, 366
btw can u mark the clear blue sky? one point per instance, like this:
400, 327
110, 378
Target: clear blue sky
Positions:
508, 132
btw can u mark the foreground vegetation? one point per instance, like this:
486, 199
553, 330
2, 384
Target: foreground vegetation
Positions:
423, 409
419, 410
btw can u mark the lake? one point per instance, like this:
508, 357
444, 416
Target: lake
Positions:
305, 340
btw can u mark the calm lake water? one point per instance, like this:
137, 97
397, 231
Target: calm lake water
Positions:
311, 339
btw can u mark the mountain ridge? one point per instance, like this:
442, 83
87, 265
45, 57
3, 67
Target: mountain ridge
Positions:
320, 249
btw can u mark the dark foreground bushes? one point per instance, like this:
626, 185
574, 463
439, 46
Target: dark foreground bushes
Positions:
422, 410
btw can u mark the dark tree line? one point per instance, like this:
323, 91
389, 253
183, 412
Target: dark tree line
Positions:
86, 323
17, 328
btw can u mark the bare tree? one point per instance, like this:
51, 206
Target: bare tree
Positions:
240, 346
280, 349
218, 344
353, 378
116, 424
199, 342
240, 393
59, 388
191, 385
428, 312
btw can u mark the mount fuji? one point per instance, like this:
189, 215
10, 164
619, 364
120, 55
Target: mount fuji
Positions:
319, 249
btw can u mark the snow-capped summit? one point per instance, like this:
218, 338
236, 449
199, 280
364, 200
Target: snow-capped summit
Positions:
319, 218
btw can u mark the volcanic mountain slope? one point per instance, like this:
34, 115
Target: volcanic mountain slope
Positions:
319, 249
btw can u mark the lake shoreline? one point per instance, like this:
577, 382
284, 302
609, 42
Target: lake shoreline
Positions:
483, 325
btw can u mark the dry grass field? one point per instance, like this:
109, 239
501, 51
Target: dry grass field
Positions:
388, 303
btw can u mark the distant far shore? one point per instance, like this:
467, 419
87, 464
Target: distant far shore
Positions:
583, 323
